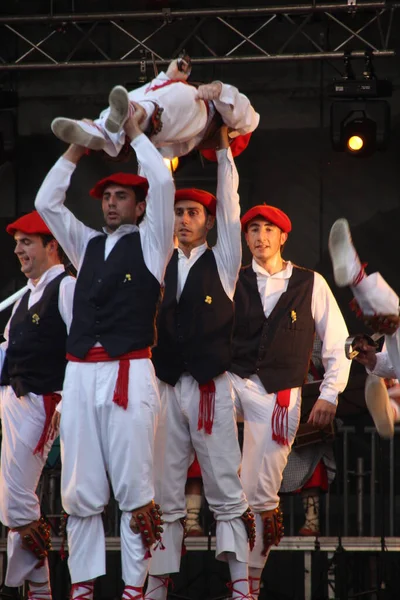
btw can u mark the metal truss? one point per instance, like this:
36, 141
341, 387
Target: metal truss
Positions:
126, 39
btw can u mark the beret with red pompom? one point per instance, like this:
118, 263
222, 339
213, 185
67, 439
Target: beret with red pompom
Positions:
269, 213
124, 179
32, 223
204, 198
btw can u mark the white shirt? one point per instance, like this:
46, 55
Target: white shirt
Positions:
329, 325
65, 297
156, 229
228, 249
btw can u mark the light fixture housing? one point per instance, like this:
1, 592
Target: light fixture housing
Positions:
368, 119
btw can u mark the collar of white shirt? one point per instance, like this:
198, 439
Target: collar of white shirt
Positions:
126, 228
194, 253
47, 276
286, 273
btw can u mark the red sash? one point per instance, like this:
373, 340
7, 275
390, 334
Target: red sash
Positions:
98, 354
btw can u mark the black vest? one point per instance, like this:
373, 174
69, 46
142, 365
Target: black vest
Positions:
115, 301
277, 349
35, 358
194, 334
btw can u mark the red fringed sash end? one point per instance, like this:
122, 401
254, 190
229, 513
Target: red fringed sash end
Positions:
280, 418
50, 402
206, 406
121, 387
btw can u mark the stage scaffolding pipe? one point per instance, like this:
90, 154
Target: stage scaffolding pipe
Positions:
112, 64
206, 12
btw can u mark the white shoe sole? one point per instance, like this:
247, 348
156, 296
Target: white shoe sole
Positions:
119, 109
71, 132
378, 404
341, 250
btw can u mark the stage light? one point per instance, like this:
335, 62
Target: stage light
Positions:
172, 163
355, 143
360, 121
360, 127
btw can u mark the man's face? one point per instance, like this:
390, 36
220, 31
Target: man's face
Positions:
35, 258
192, 223
120, 207
264, 239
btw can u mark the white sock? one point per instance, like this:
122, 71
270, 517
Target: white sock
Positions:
193, 507
39, 591
254, 581
157, 587
239, 577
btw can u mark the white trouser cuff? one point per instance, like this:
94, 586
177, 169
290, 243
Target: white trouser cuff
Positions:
21, 564
231, 536
87, 548
133, 552
168, 560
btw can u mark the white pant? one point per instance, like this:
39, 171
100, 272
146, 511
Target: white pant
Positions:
219, 456
375, 296
22, 425
183, 118
99, 439
263, 460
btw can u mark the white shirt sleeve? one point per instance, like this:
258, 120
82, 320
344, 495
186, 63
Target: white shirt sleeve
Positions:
332, 330
383, 367
236, 110
71, 234
228, 249
157, 227
66, 299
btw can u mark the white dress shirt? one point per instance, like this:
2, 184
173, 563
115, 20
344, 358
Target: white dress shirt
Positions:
156, 229
228, 249
65, 297
329, 325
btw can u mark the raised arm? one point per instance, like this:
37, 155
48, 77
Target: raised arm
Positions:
228, 249
157, 227
70, 233
234, 107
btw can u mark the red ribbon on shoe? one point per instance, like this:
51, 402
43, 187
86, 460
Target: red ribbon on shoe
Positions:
98, 354
280, 418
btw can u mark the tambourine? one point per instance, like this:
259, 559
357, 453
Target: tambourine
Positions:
350, 346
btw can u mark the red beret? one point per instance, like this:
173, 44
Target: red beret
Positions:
32, 223
237, 145
204, 198
269, 213
125, 179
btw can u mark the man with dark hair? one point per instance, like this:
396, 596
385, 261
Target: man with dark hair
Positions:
278, 307
193, 352
32, 373
111, 400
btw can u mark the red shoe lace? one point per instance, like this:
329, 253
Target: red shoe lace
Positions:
128, 596
88, 595
254, 583
164, 582
231, 587
360, 276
